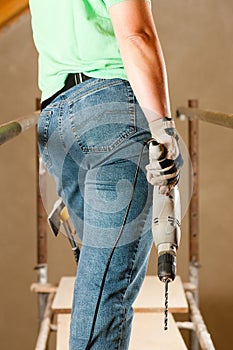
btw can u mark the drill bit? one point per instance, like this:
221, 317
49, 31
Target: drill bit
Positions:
166, 305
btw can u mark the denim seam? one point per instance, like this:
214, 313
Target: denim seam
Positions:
47, 121
85, 85
76, 97
124, 135
60, 127
130, 272
124, 294
132, 109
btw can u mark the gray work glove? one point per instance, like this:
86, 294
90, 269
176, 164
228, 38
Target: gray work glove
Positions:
165, 159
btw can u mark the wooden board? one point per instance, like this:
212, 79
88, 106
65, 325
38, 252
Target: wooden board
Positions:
11, 8
150, 298
147, 333
63, 299
63, 332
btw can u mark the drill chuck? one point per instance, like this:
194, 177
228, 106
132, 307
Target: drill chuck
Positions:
167, 267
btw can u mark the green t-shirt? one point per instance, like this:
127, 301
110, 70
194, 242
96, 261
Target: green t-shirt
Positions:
74, 36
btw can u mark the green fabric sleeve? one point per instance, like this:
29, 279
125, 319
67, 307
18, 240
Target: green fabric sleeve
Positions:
109, 3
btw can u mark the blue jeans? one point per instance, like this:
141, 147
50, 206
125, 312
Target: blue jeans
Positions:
90, 138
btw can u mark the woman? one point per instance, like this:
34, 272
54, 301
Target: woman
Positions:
104, 93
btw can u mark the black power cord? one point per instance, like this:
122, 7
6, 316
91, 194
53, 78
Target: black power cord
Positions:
89, 343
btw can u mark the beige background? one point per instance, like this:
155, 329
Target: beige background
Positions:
197, 40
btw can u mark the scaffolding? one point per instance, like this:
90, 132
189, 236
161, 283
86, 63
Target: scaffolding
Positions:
47, 292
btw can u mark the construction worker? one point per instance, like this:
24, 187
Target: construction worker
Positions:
104, 93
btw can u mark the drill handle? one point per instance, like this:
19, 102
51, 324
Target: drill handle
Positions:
166, 219
166, 231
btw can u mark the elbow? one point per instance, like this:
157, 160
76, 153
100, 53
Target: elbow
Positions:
141, 38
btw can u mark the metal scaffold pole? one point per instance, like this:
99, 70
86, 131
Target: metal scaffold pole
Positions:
193, 213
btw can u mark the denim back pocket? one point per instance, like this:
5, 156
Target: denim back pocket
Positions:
43, 136
103, 117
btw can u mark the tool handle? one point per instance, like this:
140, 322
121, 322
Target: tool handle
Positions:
76, 252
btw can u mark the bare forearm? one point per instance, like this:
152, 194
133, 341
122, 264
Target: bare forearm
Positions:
145, 67
142, 56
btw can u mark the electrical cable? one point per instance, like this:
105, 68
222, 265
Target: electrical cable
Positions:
89, 343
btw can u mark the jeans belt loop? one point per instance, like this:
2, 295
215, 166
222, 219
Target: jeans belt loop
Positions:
75, 79
80, 77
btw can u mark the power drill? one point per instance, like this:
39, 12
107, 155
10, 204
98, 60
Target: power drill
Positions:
166, 229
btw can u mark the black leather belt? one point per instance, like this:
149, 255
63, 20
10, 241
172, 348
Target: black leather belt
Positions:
72, 80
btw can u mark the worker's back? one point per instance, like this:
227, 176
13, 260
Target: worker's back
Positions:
74, 36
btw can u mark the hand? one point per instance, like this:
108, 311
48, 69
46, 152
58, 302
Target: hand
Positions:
164, 155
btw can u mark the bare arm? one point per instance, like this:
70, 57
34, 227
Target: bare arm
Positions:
145, 67
142, 56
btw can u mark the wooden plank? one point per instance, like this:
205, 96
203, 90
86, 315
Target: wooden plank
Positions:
43, 288
150, 298
11, 8
63, 331
147, 333
63, 300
